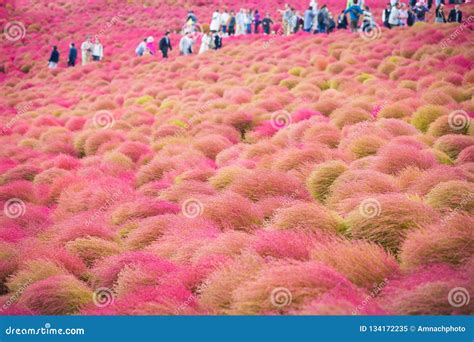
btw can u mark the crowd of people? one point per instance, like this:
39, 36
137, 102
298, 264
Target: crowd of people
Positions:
90, 51
356, 15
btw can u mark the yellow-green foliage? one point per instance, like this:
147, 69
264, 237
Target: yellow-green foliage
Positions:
320, 180
425, 115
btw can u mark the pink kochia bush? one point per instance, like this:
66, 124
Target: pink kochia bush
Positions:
326, 175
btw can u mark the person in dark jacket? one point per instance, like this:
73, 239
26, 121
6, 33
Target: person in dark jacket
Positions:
54, 58
267, 24
217, 41
386, 15
440, 17
342, 21
232, 23
455, 15
71, 60
165, 44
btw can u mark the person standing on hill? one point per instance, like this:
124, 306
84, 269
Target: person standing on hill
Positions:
393, 20
232, 23
191, 16
420, 10
440, 17
267, 24
248, 17
97, 51
225, 18
286, 19
186, 45
308, 19
54, 58
342, 21
140, 50
368, 20
205, 42
216, 41
323, 19
86, 51
256, 21
354, 13
71, 60
240, 19
455, 15
403, 15
216, 21
352, 3
165, 44
150, 48
386, 15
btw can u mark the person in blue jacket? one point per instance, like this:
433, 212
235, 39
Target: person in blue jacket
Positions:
54, 58
71, 60
354, 13
308, 19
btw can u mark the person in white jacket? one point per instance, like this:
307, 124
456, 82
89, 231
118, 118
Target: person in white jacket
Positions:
225, 18
86, 50
205, 43
97, 50
216, 21
186, 45
393, 18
